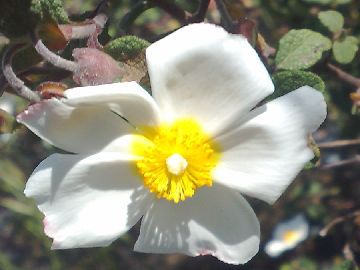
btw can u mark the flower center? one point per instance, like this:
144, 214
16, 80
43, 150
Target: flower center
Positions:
179, 160
290, 236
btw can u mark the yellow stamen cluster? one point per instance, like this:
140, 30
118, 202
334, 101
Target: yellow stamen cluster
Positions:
290, 236
179, 159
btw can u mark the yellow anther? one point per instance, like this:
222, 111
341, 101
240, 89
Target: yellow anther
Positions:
179, 160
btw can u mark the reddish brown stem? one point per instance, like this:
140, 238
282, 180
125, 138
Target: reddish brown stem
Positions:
339, 143
18, 85
346, 77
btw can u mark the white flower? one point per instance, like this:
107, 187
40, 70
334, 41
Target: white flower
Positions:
198, 141
7, 104
288, 235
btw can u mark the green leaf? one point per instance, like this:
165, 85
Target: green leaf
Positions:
321, 2
301, 49
328, 2
18, 17
125, 48
17, 206
289, 80
345, 265
7, 122
345, 50
299, 264
341, 2
332, 19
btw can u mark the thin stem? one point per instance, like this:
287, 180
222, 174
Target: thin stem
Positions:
171, 8
200, 13
51, 57
339, 143
225, 16
133, 14
18, 85
346, 77
341, 163
336, 221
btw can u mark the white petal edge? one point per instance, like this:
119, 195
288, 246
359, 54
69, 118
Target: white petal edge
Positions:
216, 221
82, 129
88, 201
203, 72
127, 99
265, 154
275, 248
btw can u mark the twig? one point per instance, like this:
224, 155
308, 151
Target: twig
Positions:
346, 77
225, 16
59, 74
336, 221
18, 85
339, 143
200, 13
133, 14
51, 57
171, 8
348, 253
341, 163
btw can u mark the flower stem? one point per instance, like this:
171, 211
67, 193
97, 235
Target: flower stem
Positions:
18, 85
51, 57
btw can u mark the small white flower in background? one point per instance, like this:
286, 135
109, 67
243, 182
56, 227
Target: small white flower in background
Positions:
287, 235
183, 156
7, 104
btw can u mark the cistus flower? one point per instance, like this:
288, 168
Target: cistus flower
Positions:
178, 159
287, 235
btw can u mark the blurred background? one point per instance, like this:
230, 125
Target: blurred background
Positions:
326, 195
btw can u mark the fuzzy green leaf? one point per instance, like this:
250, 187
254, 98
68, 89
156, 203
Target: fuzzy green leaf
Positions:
289, 80
301, 49
344, 50
125, 48
18, 17
332, 19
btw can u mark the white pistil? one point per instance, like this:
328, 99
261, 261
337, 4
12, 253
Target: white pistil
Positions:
176, 164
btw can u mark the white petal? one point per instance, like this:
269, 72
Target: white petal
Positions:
265, 154
204, 72
127, 99
87, 201
82, 129
274, 248
216, 221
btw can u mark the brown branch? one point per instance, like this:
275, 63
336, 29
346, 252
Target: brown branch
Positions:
346, 77
336, 221
341, 163
18, 85
339, 143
